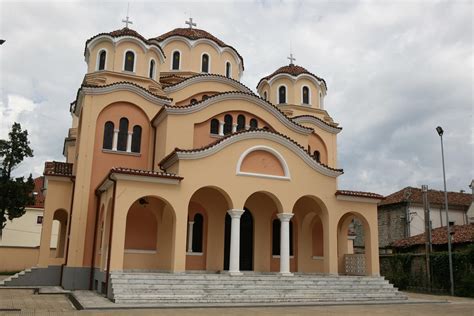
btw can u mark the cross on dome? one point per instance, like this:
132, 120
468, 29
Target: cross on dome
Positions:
190, 23
127, 21
291, 58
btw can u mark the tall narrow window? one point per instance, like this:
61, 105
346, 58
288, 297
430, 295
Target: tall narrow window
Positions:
282, 95
240, 122
227, 69
205, 97
215, 126
122, 134
129, 61
317, 155
197, 232
136, 138
305, 94
205, 63
265, 95
253, 123
152, 69
227, 124
176, 60
108, 135
102, 58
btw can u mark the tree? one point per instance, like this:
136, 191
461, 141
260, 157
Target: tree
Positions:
15, 193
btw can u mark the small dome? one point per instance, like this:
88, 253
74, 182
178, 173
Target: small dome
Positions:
292, 70
195, 34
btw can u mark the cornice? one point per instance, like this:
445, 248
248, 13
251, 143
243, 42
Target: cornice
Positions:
318, 122
207, 78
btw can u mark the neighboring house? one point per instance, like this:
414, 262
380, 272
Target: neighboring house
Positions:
20, 241
25, 231
462, 235
401, 214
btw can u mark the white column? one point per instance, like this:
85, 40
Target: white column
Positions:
285, 243
129, 142
234, 260
190, 236
115, 139
247, 127
234, 128
221, 128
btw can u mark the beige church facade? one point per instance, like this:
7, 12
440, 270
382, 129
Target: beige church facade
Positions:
172, 164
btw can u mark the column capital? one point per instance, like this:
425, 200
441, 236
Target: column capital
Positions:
285, 217
116, 130
130, 133
190, 222
235, 213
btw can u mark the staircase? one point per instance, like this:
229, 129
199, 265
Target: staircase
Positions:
248, 289
34, 276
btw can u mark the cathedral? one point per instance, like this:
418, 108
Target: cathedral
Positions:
172, 164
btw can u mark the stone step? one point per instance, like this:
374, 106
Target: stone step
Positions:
249, 286
249, 282
312, 292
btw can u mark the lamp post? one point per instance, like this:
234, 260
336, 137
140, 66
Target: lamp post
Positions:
440, 133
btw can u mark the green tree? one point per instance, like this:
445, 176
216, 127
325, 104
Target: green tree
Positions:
15, 193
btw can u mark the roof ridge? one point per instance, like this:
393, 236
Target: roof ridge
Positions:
85, 85
206, 75
312, 116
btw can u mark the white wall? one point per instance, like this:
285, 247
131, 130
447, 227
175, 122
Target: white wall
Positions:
437, 216
25, 232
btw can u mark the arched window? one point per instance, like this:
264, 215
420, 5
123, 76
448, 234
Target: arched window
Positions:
197, 232
205, 63
176, 60
276, 224
102, 58
108, 135
282, 95
228, 124
205, 97
122, 134
194, 101
136, 138
215, 126
305, 95
317, 155
253, 123
228, 69
129, 64
265, 95
152, 69
240, 122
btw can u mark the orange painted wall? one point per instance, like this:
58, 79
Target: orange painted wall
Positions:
197, 96
263, 162
316, 143
317, 234
141, 230
198, 262
104, 161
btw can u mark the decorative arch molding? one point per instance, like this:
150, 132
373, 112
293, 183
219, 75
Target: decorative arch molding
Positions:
276, 154
220, 50
318, 122
234, 95
117, 40
76, 106
207, 78
180, 154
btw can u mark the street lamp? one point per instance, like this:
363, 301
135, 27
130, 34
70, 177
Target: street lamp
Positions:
440, 133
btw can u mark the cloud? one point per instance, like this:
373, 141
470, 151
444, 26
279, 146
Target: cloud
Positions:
395, 71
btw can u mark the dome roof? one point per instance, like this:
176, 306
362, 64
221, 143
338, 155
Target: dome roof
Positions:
292, 70
195, 34
124, 32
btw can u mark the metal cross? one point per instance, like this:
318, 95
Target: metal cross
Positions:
190, 23
292, 59
127, 21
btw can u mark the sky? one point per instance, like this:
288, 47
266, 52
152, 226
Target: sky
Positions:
395, 70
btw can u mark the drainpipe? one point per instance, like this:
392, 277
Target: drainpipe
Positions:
407, 213
94, 242
109, 251
73, 180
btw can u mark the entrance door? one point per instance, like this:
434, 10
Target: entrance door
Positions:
246, 241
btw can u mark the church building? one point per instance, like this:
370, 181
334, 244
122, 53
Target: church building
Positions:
172, 164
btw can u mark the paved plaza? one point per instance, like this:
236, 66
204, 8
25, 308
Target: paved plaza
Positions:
28, 302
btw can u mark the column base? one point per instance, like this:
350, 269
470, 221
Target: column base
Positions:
285, 273
235, 273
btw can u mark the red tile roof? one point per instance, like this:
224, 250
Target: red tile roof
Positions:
368, 195
439, 236
317, 118
125, 32
147, 173
194, 34
414, 195
38, 193
292, 70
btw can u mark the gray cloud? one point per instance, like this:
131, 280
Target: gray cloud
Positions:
394, 70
